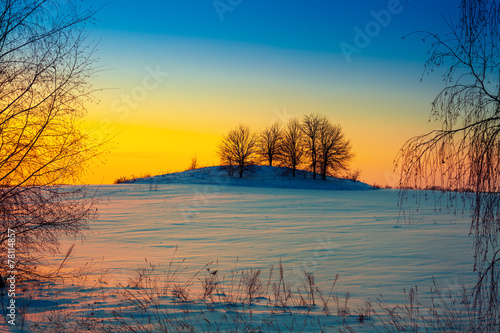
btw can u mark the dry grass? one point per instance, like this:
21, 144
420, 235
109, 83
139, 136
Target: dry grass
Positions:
444, 313
125, 179
246, 300
161, 301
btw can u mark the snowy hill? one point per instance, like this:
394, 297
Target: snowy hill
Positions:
261, 176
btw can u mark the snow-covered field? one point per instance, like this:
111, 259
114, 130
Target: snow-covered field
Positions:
202, 217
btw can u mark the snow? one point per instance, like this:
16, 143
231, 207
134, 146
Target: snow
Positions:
258, 176
202, 216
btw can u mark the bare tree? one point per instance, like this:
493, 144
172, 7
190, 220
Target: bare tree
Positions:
292, 148
311, 126
354, 175
269, 143
194, 163
239, 147
334, 151
464, 154
45, 69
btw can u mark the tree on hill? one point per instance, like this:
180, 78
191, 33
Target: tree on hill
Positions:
315, 141
334, 151
45, 72
269, 143
292, 147
238, 147
311, 127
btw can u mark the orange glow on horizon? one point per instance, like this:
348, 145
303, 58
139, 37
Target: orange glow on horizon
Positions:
140, 150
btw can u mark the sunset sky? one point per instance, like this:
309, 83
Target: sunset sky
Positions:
177, 75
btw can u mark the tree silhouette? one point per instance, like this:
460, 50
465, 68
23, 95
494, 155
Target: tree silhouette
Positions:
269, 143
238, 148
334, 151
311, 127
464, 154
315, 139
45, 69
292, 147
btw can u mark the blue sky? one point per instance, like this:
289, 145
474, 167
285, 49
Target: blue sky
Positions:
318, 25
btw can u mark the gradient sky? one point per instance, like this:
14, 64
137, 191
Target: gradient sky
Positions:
249, 61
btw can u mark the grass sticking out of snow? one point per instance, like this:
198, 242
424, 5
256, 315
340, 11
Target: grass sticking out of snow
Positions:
246, 300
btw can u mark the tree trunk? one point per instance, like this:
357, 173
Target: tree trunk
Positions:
314, 161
